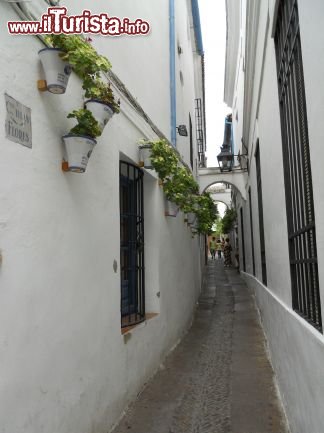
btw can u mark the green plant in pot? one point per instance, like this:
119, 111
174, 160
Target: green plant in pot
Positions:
189, 208
101, 100
164, 159
180, 187
100, 91
87, 125
56, 67
89, 66
80, 141
80, 54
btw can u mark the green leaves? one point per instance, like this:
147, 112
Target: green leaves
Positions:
163, 158
180, 186
96, 89
206, 213
89, 66
228, 220
87, 124
80, 54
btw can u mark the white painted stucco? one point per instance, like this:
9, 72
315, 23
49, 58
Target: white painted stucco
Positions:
212, 175
65, 366
297, 349
223, 197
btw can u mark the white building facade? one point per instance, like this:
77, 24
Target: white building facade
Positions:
273, 84
66, 364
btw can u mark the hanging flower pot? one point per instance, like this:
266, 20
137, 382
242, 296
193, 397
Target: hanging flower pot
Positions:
191, 218
80, 141
101, 111
171, 209
78, 150
145, 156
57, 71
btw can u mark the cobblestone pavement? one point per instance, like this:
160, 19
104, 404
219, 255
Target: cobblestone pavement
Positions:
218, 379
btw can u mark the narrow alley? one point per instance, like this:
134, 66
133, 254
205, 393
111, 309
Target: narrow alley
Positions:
138, 137
218, 379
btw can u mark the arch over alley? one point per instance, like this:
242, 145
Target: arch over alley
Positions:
211, 175
216, 200
224, 197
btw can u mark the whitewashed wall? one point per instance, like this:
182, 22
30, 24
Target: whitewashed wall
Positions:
137, 57
65, 366
297, 349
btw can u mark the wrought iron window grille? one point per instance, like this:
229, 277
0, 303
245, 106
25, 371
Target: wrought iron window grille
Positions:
132, 245
297, 166
200, 140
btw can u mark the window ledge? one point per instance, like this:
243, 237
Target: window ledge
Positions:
130, 328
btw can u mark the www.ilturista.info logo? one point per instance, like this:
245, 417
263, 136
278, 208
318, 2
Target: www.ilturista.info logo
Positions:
57, 21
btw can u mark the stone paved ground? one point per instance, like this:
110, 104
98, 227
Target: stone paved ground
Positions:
219, 379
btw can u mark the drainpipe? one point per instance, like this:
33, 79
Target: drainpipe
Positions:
197, 27
172, 53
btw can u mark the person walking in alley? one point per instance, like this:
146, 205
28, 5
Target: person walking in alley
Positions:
219, 248
227, 253
212, 247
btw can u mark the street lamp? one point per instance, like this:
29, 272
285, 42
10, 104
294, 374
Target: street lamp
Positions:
182, 130
225, 157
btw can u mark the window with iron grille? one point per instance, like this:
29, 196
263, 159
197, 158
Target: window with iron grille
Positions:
297, 167
201, 147
260, 206
131, 245
191, 142
251, 230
